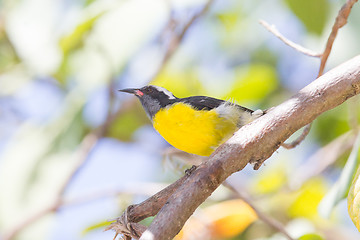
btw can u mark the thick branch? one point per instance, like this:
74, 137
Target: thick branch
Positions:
255, 143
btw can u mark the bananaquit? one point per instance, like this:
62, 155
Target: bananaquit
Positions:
197, 124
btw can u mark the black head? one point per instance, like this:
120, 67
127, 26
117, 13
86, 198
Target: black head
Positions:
153, 98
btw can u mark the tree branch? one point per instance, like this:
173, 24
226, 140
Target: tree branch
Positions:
254, 143
340, 21
297, 47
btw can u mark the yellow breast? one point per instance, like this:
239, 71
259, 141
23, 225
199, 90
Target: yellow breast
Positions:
194, 131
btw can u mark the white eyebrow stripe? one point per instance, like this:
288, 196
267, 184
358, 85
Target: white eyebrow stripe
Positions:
166, 92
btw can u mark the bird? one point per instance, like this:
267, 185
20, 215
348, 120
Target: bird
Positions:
196, 124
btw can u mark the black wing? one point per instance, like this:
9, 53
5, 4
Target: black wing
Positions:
202, 102
207, 103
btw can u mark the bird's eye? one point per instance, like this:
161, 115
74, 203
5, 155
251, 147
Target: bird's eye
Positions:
149, 90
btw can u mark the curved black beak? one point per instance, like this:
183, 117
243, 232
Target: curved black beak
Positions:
129, 90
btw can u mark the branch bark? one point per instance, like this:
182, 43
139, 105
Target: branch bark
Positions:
254, 143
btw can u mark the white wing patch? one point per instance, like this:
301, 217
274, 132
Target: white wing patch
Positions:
165, 91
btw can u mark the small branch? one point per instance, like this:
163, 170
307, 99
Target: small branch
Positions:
86, 146
297, 141
297, 47
28, 221
176, 39
340, 21
265, 218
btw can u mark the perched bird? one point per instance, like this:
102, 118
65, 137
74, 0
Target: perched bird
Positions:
197, 124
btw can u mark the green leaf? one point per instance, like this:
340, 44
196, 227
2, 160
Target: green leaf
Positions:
336, 120
182, 83
98, 225
72, 42
340, 188
311, 236
75, 39
228, 19
312, 13
124, 126
253, 82
354, 200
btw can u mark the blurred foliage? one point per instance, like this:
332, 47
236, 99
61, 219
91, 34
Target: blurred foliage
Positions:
183, 83
75, 39
8, 56
260, 77
340, 189
100, 225
311, 236
229, 218
223, 220
313, 13
353, 199
81, 47
123, 127
69, 43
331, 124
308, 199
228, 19
270, 181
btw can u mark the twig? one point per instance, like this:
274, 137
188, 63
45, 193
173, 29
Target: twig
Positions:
28, 221
340, 21
265, 218
176, 39
297, 47
297, 141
